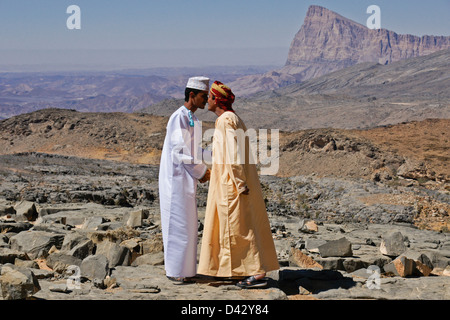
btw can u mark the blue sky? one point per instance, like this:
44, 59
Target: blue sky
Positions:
149, 33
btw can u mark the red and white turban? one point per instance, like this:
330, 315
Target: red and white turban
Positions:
223, 95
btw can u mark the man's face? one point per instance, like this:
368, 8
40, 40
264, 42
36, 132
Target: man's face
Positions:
199, 100
212, 105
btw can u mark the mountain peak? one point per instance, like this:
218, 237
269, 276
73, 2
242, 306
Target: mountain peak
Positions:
324, 14
329, 38
328, 42
315, 10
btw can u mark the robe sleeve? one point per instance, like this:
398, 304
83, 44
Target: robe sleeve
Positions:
183, 146
234, 155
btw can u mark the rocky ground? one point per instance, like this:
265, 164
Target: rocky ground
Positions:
80, 229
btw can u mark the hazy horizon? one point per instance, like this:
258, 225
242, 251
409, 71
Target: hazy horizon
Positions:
179, 33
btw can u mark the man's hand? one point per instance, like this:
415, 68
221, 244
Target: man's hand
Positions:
206, 177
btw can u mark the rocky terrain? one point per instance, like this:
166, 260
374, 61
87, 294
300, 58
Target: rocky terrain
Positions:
334, 238
328, 42
416, 150
362, 96
355, 214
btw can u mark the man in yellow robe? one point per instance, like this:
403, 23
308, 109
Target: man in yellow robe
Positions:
237, 240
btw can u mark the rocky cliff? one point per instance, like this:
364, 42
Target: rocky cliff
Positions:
328, 38
328, 42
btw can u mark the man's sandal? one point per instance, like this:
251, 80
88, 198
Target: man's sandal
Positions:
176, 280
252, 282
180, 280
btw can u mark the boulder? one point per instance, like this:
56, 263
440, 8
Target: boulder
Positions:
299, 259
83, 249
94, 267
9, 255
393, 244
18, 283
72, 239
154, 244
424, 266
312, 245
15, 227
26, 211
336, 248
6, 209
422, 269
153, 259
135, 219
116, 254
93, 222
446, 271
401, 266
26, 263
36, 243
308, 226
59, 262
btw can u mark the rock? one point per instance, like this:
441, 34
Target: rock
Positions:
26, 210
331, 263
15, 227
312, 245
6, 209
26, 263
43, 273
62, 288
93, 222
350, 265
135, 219
83, 249
36, 243
117, 255
421, 259
10, 255
94, 266
401, 266
133, 245
393, 244
446, 271
72, 239
422, 269
308, 226
17, 283
336, 248
153, 259
298, 258
154, 244
59, 262
413, 169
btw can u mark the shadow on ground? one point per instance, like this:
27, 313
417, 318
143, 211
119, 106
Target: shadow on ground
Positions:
314, 281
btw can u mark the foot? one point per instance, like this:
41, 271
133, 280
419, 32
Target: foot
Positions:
257, 281
177, 280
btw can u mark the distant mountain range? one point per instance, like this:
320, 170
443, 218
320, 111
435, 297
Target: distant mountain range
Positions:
361, 96
338, 74
328, 42
118, 91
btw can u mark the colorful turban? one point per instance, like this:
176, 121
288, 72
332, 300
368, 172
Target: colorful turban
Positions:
223, 95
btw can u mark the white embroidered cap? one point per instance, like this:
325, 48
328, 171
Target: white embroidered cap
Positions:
199, 83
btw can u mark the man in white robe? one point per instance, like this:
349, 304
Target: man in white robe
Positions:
181, 167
